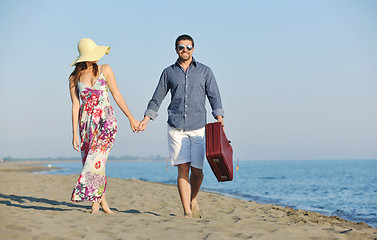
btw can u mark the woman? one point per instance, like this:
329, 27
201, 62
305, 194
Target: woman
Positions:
96, 121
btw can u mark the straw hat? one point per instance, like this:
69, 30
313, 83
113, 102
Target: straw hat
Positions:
89, 51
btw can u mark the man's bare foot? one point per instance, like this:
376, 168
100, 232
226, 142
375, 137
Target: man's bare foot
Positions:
195, 209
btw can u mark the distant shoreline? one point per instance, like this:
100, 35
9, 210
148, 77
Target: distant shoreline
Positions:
160, 158
38, 165
66, 159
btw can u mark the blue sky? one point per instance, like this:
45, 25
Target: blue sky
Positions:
298, 79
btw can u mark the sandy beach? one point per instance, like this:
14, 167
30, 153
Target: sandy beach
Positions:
38, 206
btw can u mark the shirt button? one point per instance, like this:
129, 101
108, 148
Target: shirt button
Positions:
185, 105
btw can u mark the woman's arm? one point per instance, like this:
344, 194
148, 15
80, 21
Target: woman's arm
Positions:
75, 115
109, 74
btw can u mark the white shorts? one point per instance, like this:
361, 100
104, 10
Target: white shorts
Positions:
186, 146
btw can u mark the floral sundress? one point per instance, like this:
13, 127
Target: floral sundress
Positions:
98, 127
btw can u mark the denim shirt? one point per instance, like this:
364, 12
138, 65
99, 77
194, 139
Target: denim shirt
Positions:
188, 94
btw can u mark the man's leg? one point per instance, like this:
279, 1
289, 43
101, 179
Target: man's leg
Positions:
184, 188
196, 180
197, 148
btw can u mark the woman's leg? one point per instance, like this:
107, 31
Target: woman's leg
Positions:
105, 205
95, 208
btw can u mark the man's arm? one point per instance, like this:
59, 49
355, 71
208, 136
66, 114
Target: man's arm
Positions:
214, 98
155, 103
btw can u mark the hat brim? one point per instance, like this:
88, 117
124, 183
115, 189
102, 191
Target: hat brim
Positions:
95, 54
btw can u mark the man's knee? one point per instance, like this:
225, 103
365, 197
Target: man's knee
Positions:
196, 173
183, 170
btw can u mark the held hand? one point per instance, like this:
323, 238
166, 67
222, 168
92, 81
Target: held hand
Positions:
143, 124
134, 125
76, 143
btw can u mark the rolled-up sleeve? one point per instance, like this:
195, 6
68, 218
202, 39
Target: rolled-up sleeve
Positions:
157, 98
213, 95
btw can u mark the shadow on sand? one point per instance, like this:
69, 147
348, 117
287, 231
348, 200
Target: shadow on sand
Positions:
54, 205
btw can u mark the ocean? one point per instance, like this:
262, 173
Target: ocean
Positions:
344, 188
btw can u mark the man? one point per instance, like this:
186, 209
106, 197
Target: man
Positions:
189, 83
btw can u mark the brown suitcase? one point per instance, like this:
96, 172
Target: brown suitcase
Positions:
219, 152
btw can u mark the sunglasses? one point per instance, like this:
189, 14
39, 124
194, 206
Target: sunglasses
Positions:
181, 47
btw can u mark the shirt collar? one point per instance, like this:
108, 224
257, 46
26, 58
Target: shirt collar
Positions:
192, 63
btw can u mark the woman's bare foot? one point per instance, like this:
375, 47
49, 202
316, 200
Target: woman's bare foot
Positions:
107, 210
105, 206
187, 215
95, 208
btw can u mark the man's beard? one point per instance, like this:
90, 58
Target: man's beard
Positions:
184, 58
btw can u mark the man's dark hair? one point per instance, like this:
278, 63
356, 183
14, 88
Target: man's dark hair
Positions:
184, 37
